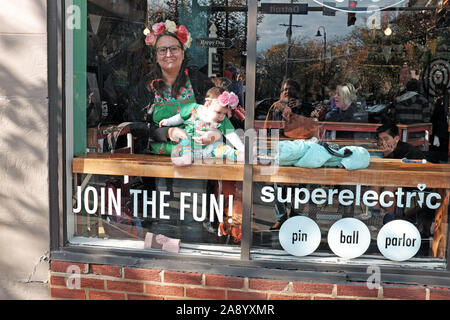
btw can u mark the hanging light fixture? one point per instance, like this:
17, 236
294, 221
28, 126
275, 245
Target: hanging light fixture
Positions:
388, 31
146, 30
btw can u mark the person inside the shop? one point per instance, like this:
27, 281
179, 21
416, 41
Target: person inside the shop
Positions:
289, 102
170, 86
236, 115
411, 106
389, 141
281, 110
321, 110
439, 118
198, 118
345, 100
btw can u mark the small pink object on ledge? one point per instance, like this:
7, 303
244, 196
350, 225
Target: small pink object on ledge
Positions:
160, 241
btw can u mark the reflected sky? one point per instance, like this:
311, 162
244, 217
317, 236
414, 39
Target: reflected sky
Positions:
270, 32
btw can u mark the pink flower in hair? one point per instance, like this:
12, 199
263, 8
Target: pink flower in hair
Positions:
150, 39
228, 99
224, 99
233, 100
159, 27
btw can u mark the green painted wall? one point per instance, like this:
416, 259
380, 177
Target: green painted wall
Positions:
79, 80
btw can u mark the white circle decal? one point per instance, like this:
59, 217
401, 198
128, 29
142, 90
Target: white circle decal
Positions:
349, 238
399, 240
300, 236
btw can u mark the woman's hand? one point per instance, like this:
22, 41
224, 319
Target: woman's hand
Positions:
162, 123
318, 113
315, 113
207, 137
176, 134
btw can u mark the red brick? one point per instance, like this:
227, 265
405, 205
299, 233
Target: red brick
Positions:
304, 287
436, 294
142, 274
356, 291
215, 294
331, 298
415, 293
62, 266
243, 295
65, 293
106, 270
182, 277
142, 297
175, 298
84, 282
128, 286
164, 290
57, 281
106, 295
265, 285
90, 283
276, 296
214, 280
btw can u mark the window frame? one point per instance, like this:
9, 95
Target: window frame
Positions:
60, 156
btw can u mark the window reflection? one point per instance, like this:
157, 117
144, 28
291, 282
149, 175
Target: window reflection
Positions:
353, 68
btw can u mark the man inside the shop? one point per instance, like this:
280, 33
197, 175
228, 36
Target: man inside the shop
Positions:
389, 140
412, 106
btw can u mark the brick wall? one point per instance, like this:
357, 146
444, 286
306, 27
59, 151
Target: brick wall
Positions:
123, 283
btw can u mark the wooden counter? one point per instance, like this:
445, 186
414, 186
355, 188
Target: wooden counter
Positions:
381, 172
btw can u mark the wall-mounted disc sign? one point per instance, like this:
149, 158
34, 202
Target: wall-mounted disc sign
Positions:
399, 240
349, 238
359, 6
299, 236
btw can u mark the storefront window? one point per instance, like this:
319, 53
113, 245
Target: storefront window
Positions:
181, 207
320, 157
371, 58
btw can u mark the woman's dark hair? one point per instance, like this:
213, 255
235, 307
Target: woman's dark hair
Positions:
155, 75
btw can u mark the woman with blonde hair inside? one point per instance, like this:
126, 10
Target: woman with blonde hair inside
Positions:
345, 103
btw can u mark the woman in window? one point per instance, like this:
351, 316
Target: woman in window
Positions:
169, 87
345, 103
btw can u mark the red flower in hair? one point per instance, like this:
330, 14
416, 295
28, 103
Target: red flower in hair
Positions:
182, 34
159, 27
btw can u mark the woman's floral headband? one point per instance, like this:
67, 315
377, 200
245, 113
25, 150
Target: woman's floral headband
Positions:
227, 99
159, 28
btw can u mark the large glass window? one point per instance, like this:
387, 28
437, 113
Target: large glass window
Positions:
328, 76
183, 207
352, 67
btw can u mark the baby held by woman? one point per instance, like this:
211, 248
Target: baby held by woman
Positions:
212, 115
